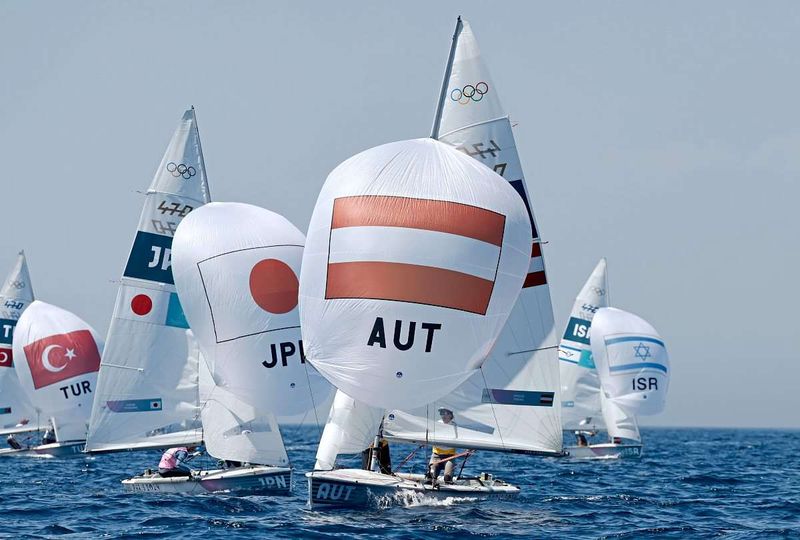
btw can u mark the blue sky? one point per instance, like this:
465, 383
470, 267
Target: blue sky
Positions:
664, 137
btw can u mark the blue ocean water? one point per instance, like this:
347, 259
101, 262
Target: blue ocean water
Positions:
691, 483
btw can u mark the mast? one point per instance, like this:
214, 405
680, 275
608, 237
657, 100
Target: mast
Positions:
437, 118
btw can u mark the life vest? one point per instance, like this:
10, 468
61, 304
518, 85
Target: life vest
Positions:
168, 460
441, 451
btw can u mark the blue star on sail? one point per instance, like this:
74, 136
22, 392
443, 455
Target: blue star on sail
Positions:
642, 351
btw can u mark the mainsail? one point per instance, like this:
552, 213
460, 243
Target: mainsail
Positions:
17, 412
631, 361
414, 258
57, 357
580, 386
351, 427
512, 402
147, 394
236, 268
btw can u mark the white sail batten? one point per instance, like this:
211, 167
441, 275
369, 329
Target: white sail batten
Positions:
57, 357
147, 389
351, 428
512, 403
17, 413
631, 360
580, 386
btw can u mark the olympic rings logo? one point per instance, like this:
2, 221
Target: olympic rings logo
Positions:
17, 284
469, 93
181, 170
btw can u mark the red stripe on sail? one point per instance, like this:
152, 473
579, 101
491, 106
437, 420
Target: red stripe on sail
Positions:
431, 215
534, 279
409, 283
536, 250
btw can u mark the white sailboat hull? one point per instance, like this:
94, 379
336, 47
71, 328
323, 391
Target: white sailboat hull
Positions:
53, 450
259, 479
604, 451
357, 488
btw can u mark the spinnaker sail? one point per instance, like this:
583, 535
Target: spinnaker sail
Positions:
414, 258
236, 268
147, 395
57, 357
631, 360
511, 403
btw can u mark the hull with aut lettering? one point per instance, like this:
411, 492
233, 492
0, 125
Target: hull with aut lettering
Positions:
604, 451
257, 479
53, 450
359, 488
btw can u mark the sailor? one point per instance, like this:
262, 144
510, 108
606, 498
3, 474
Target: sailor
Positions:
173, 462
441, 453
581, 438
384, 456
49, 437
13, 442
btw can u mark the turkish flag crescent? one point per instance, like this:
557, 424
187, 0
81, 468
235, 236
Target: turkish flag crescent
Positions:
62, 356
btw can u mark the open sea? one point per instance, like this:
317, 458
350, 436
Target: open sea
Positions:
691, 483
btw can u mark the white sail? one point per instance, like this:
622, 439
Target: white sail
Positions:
511, 403
147, 394
350, 429
580, 386
619, 424
236, 268
17, 412
236, 430
57, 357
414, 257
631, 360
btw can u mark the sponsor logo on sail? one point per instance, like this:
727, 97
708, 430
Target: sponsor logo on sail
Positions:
469, 93
181, 170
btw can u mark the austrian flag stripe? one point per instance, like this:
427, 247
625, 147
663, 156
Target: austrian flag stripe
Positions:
412, 250
536, 275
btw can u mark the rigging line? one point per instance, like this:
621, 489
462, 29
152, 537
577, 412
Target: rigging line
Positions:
491, 404
533, 350
313, 403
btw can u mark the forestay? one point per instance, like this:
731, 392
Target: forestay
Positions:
147, 393
17, 412
350, 429
414, 258
631, 360
57, 357
580, 386
512, 403
236, 268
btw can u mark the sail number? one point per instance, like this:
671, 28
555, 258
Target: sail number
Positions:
378, 334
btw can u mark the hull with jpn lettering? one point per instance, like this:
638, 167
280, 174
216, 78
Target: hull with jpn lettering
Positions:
256, 479
360, 488
604, 451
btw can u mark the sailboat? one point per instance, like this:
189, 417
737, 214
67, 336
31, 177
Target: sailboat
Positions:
17, 413
633, 367
147, 392
236, 268
414, 259
57, 357
584, 408
511, 404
